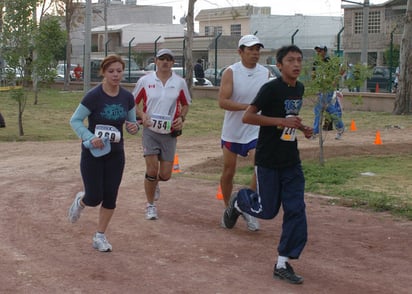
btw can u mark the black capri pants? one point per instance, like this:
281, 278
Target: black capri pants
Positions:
102, 177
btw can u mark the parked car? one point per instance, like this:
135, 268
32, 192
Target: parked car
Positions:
129, 76
135, 72
273, 70
210, 75
61, 69
380, 79
8, 74
206, 83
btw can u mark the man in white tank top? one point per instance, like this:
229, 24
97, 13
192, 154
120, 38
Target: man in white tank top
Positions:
240, 83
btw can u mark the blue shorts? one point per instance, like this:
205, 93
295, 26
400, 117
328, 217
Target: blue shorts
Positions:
238, 148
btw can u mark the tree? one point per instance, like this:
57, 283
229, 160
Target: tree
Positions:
18, 29
326, 79
404, 91
50, 42
39, 69
67, 8
189, 44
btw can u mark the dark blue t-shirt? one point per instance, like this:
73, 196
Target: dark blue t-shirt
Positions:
108, 110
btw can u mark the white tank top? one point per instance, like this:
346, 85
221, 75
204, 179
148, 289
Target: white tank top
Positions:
246, 84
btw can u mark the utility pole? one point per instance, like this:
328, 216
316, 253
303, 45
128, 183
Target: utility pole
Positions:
87, 46
106, 35
365, 33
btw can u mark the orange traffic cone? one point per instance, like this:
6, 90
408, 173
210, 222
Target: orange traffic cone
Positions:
219, 194
377, 88
176, 167
353, 126
378, 140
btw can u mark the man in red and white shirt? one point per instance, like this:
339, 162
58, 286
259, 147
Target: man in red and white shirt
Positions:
162, 102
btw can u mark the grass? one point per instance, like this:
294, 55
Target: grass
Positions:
381, 183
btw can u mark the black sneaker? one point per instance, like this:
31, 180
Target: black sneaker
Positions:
230, 214
287, 274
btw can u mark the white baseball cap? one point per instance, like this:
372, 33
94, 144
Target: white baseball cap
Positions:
250, 40
165, 52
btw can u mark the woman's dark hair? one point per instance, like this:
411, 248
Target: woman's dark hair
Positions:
108, 60
283, 51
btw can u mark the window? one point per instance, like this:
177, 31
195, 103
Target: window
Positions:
358, 22
374, 23
212, 31
235, 30
374, 26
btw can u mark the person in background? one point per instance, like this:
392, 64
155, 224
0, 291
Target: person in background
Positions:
2, 121
162, 103
78, 71
278, 166
199, 73
396, 81
107, 107
240, 83
331, 100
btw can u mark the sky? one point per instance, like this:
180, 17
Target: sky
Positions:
280, 7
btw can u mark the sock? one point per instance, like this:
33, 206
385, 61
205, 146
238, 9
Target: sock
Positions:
282, 261
237, 207
99, 234
79, 202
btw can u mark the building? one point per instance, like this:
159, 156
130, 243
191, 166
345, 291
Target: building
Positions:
119, 28
122, 23
385, 26
144, 29
228, 24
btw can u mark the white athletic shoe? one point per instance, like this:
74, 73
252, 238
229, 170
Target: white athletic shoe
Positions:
100, 243
76, 209
251, 221
151, 212
157, 192
340, 134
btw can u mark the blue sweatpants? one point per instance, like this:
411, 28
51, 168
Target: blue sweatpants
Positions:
331, 107
280, 187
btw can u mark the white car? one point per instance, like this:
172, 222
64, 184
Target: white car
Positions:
206, 82
61, 68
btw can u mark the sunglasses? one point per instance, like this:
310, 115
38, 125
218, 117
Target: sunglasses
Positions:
165, 57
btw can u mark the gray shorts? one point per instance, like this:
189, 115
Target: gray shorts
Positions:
163, 145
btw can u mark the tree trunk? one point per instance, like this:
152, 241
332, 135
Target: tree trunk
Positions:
321, 153
21, 109
189, 44
68, 20
404, 91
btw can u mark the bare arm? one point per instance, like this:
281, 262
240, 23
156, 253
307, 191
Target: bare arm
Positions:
144, 119
252, 117
225, 93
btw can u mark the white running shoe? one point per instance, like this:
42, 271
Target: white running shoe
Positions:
100, 243
151, 212
340, 134
76, 208
157, 192
251, 221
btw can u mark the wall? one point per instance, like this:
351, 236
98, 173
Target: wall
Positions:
374, 102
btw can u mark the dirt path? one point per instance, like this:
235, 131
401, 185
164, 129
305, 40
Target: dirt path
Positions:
185, 251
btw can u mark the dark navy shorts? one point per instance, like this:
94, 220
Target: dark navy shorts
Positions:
238, 148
